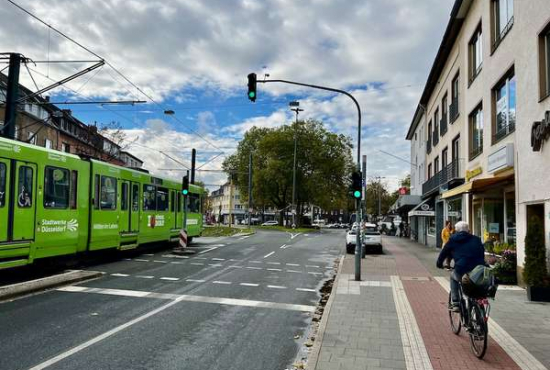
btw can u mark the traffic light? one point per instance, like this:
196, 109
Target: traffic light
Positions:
356, 187
252, 87
185, 185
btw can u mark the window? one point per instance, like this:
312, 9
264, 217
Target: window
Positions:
65, 148
108, 193
56, 187
444, 158
47, 144
74, 190
436, 127
24, 197
162, 199
476, 53
454, 108
31, 137
505, 107
456, 149
2, 184
124, 196
135, 197
194, 203
172, 201
96, 192
429, 171
149, 198
503, 19
436, 165
476, 132
429, 141
544, 62
444, 115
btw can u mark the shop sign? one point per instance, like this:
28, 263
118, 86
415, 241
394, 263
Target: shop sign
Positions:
456, 214
424, 210
470, 174
494, 228
501, 159
540, 132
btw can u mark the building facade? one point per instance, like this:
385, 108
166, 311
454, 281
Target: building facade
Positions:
226, 206
486, 91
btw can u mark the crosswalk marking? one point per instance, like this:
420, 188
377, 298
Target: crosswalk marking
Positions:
274, 270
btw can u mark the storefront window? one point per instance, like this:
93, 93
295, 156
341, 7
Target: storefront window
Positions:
431, 226
454, 213
511, 218
494, 219
478, 218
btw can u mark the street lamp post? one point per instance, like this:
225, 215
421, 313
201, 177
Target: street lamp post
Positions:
297, 110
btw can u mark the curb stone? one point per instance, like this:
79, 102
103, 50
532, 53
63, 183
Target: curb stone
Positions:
313, 357
32, 286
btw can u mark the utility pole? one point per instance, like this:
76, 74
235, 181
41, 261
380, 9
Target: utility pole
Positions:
364, 200
230, 199
193, 159
185, 203
297, 110
12, 96
249, 188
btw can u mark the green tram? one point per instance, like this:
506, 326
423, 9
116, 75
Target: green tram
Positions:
54, 204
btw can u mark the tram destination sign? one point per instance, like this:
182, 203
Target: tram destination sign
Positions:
540, 132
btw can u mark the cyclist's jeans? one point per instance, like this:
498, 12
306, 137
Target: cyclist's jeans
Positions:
455, 278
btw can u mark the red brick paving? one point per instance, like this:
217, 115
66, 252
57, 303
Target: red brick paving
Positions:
429, 303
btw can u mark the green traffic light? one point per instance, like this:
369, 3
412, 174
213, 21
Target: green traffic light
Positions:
252, 95
357, 194
185, 192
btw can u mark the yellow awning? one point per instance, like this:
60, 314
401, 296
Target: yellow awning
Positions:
475, 185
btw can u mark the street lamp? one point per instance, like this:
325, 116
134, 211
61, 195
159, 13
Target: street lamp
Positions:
297, 110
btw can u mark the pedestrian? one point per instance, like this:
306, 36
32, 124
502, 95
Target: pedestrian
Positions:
446, 233
401, 229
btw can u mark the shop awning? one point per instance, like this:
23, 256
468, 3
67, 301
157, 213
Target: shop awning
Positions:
423, 209
475, 185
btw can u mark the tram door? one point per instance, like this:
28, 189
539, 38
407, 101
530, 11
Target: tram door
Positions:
23, 199
175, 209
125, 219
4, 191
134, 210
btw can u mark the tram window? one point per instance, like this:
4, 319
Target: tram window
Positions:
24, 197
135, 197
108, 194
56, 187
194, 203
74, 190
96, 192
162, 199
149, 198
172, 201
2, 184
178, 195
124, 199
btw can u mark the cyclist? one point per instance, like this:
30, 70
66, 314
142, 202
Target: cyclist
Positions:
467, 251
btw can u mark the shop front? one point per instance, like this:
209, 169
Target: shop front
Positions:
423, 224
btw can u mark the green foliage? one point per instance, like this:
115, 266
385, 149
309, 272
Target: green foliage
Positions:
223, 231
378, 189
324, 163
506, 268
535, 272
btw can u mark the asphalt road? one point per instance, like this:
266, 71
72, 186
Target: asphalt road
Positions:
238, 303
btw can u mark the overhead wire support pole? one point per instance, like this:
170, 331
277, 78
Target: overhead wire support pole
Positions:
357, 201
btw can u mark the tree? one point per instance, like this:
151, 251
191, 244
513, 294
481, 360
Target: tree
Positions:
377, 192
114, 132
535, 272
324, 164
405, 182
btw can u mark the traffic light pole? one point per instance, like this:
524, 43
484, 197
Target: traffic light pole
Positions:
358, 201
185, 209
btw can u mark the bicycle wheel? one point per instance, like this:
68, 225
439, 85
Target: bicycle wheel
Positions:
478, 331
456, 322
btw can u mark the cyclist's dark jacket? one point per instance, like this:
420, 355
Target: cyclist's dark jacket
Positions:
466, 250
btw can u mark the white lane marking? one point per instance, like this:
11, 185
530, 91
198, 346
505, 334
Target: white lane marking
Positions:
120, 275
292, 236
160, 261
249, 284
306, 234
140, 260
283, 246
127, 259
315, 266
218, 259
174, 256
145, 276
315, 273
253, 268
274, 263
255, 261
276, 287
292, 264
512, 347
269, 254
201, 258
148, 254
305, 290
244, 237
233, 260
195, 280
221, 282
215, 265
103, 336
294, 271
208, 250
197, 263
176, 263
236, 267
274, 270
169, 278
416, 355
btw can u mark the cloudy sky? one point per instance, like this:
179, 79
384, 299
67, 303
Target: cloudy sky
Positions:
193, 56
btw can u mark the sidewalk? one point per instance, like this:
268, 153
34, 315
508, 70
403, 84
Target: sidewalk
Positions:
397, 318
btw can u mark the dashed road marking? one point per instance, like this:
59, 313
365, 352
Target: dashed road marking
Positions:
141, 260
233, 260
221, 282
249, 284
195, 280
236, 266
127, 259
255, 261
294, 271
160, 261
274, 270
274, 263
208, 250
315, 266
201, 258
292, 264
276, 287
315, 273
120, 275
148, 254
269, 254
253, 268
215, 265
169, 278
283, 246
145, 276
218, 259
176, 263
197, 263
305, 290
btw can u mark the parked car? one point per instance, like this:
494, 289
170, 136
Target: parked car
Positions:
372, 240
270, 223
351, 239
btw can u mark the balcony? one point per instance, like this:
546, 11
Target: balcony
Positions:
443, 125
453, 110
449, 174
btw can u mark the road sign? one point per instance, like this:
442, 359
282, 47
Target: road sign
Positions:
183, 239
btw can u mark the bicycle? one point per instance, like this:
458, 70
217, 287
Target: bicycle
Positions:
473, 315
